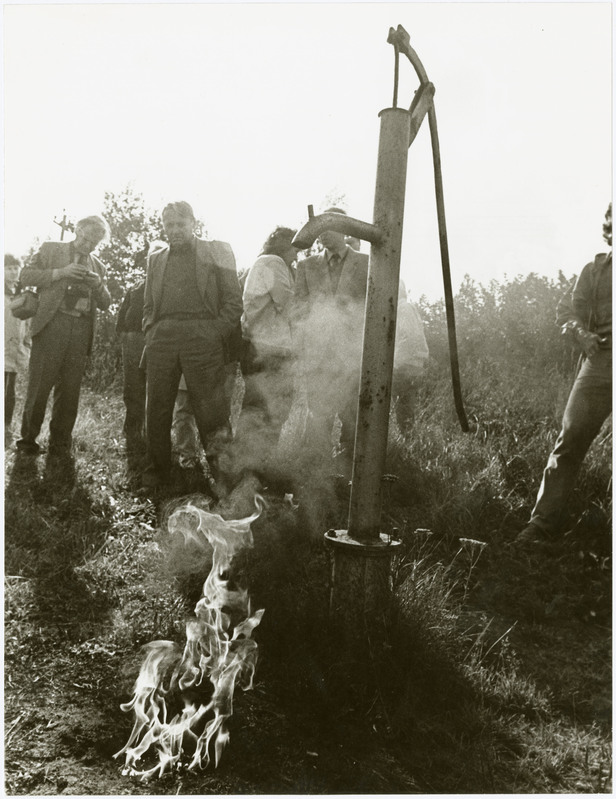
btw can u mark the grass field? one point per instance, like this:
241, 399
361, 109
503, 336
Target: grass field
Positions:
496, 675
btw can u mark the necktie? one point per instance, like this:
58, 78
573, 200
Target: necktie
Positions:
75, 291
335, 269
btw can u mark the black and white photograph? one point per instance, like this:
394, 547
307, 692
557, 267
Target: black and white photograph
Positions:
307, 398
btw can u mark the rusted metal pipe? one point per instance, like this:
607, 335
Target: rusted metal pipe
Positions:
341, 223
380, 328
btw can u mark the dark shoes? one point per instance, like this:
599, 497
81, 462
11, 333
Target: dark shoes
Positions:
533, 536
29, 447
60, 449
152, 480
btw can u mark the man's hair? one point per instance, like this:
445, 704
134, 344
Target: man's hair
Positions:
11, 260
182, 208
607, 225
97, 222
278, 241
335, 210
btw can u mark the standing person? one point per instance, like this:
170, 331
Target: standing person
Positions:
410, 357
16, 341
330, 295
590, 401
193, 302
129, 328
71, 286
266, 326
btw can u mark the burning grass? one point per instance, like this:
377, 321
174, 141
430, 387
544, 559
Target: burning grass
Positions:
219, 653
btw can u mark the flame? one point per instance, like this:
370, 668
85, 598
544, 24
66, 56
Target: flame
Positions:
218, 655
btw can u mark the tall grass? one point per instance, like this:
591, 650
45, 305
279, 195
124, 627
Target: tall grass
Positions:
466, 697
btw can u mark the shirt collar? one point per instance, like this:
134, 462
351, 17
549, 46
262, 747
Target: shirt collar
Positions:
185, 249
329, 255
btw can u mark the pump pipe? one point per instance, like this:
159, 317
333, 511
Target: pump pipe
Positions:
340, 223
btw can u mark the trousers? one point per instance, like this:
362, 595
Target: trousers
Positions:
194, 348
185, 431
588, 406
9, 397
134, 386
58, 360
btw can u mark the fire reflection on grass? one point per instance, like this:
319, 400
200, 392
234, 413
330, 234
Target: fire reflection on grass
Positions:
195, 687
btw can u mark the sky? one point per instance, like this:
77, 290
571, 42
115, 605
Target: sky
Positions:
253, 111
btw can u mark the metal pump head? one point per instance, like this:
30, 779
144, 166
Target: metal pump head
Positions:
341, 223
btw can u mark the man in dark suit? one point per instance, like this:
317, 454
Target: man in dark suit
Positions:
129, 327
71, 286
330, 296
193, 302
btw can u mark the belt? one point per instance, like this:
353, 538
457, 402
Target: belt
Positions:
185, 317
74, 314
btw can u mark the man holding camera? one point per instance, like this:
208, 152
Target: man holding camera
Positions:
71, 286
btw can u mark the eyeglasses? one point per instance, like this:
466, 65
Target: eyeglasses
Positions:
87, 240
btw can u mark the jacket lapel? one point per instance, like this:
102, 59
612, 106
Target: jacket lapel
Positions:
348, 276
321, 279
158, 274
205, 263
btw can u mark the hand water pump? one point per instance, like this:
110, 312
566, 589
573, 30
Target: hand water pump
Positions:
362, 553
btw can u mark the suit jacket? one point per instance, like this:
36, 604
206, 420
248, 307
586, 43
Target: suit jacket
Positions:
130, 315
216, 278
313, 283
329, 324
55, 255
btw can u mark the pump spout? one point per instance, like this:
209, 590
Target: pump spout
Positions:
341, 223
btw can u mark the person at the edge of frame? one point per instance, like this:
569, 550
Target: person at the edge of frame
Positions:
71, 286
590, 400
193, 302
16, 344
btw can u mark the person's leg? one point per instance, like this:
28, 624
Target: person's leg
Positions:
588, 406
46, 358
319, 422
404, 398
203, 366
277, 390
9, 398
347, 412
134, 388
163, 378
68, 385
184, 430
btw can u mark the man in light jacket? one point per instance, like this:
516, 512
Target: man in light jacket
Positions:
266, 326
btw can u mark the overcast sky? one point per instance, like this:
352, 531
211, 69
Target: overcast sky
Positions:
253, 111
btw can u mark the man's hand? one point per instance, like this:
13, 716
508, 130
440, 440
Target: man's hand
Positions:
589, 342
79, 273
93, 280
74, 272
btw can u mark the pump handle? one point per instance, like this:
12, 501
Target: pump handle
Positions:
402, 43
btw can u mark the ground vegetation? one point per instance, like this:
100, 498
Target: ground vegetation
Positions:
496, 673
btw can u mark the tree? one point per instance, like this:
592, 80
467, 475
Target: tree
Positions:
133, 227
